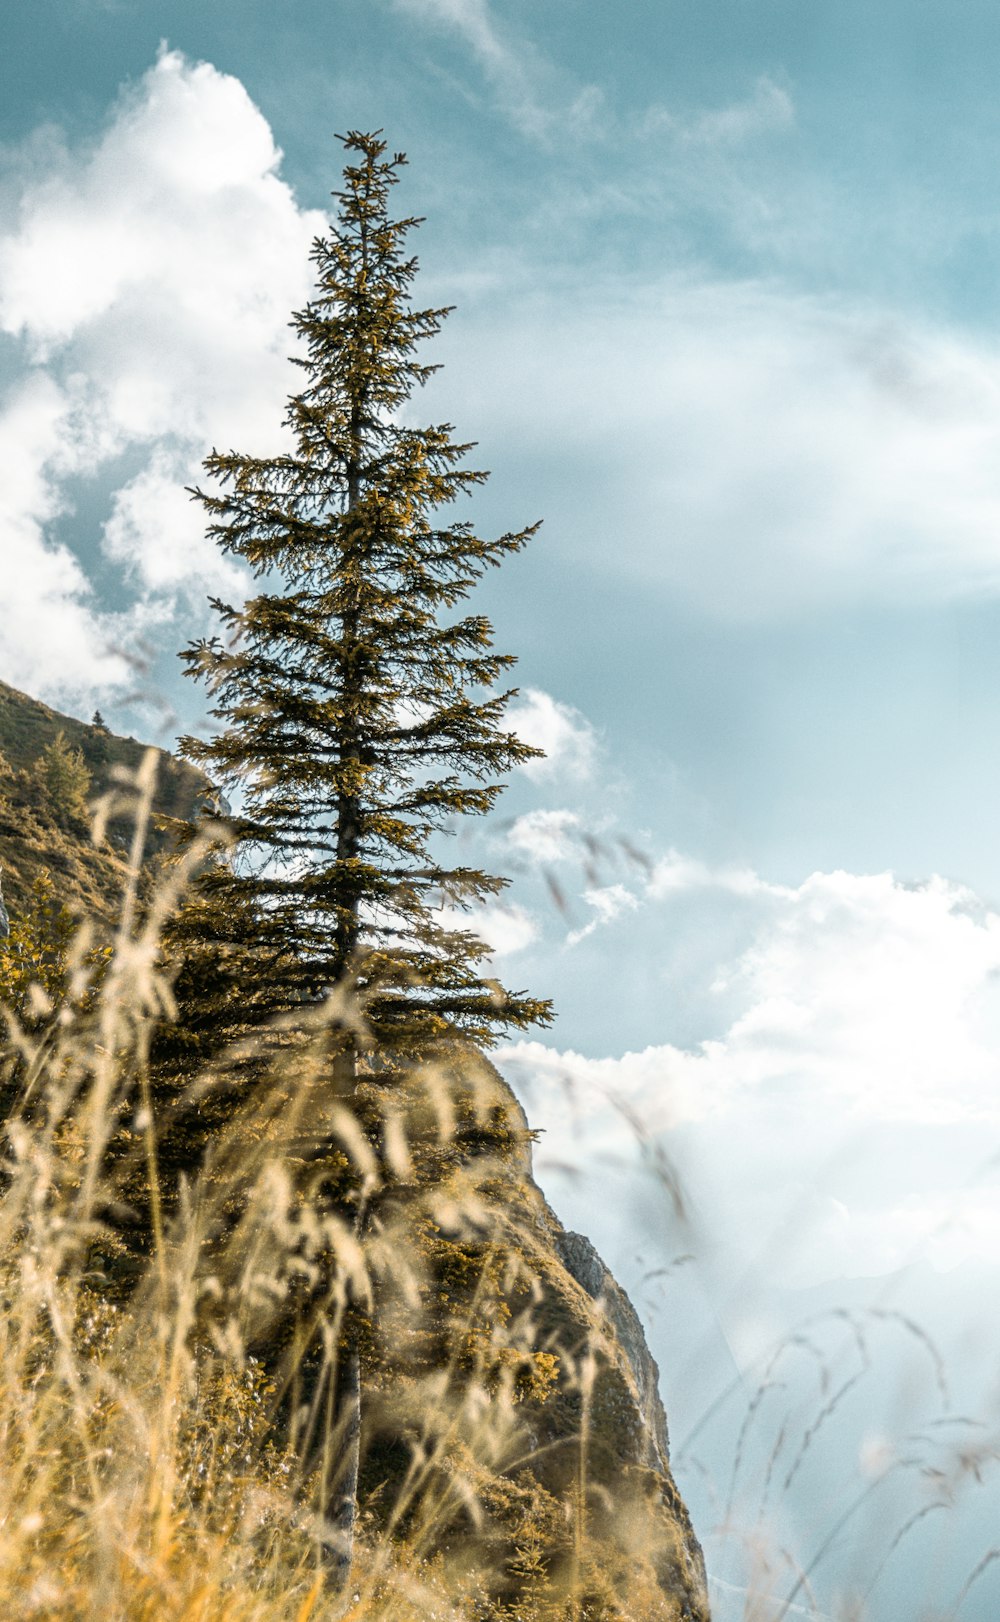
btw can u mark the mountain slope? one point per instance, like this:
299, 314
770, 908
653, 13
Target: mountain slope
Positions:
34, 839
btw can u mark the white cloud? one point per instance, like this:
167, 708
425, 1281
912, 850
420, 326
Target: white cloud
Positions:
676, 873
505, 928
565, 735
54, 638
882, 996
159, 208
864, 994
187, 252
545, 835
950, 1228
158, 532
607, 902
852, 1098
748, 451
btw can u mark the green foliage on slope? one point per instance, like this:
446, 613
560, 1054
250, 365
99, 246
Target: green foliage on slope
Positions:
65, 779
37, 837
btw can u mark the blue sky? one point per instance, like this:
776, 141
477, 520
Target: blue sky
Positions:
727, 280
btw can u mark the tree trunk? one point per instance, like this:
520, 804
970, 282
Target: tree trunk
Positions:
342, 1513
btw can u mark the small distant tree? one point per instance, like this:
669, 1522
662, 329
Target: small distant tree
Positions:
46, 971
6, 778
65, 779
34, 953
98, 743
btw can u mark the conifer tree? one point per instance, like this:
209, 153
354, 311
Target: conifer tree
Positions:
65, 779
358, 716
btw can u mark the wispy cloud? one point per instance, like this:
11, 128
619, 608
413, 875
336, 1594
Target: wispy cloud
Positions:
767, 110
676, 873
746, 450
607, 902
542, 100
530, 92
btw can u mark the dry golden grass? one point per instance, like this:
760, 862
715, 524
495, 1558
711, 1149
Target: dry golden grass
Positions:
176, 1438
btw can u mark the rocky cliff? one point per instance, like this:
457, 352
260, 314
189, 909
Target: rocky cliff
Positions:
639, 1512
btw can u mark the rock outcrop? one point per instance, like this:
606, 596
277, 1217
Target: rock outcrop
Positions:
605, 1417
582, 1262
585, 1266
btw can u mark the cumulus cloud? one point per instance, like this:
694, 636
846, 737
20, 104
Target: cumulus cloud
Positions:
749, 451
158, 533
187, 251
867, 1018
859, 992
567, 737
54, 637
545, 835
178, 205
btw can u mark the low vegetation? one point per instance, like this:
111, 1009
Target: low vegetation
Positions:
52, 768
177, 1440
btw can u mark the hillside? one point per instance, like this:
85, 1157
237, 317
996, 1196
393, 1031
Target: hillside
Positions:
34, 840
580, 1482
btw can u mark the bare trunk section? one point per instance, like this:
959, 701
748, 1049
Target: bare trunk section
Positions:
342, 1512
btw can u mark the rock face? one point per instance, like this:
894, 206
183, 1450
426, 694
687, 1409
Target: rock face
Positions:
643, 1432
581, 1305
582, 1262
4, 920
578, 1512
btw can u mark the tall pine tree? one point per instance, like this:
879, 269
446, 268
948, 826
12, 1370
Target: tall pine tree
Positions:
358, 717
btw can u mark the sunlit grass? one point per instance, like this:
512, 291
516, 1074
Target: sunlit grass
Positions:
186, 1367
